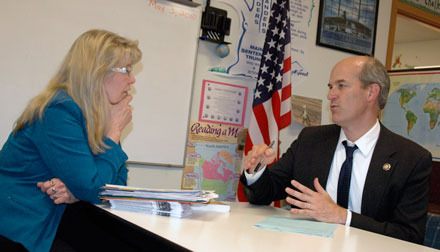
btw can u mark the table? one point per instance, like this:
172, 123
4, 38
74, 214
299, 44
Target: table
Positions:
235, 231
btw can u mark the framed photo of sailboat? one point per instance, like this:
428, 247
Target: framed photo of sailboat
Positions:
348, 25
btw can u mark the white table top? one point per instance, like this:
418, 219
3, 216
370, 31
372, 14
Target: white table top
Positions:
235, 231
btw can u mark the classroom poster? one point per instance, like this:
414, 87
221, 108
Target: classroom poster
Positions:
213, 158
223, 103
246, 51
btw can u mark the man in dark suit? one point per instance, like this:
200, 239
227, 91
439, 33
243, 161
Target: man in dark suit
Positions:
387, 192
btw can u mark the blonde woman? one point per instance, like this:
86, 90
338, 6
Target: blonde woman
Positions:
68, 136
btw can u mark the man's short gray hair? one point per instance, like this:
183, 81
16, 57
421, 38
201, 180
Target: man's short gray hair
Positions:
373, 71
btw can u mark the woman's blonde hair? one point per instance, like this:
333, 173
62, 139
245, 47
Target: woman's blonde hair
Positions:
81, 75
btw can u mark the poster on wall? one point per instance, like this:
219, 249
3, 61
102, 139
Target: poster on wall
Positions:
223, 103
413, 108
245, 57
306, 112
213, 158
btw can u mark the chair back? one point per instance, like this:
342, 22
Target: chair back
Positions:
432, 235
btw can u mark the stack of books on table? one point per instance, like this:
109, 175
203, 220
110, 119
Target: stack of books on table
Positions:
174, 203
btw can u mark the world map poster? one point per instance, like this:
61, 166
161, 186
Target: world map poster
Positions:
413, 108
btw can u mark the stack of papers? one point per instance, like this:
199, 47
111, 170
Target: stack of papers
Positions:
189, 196
175, 203
163, 208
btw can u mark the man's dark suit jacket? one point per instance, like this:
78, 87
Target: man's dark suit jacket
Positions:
394, 201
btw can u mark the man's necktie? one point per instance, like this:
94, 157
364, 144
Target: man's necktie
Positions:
345, 176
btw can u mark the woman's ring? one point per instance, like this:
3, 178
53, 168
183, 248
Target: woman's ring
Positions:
53, 189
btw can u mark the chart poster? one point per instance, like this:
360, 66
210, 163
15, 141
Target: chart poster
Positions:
223, 103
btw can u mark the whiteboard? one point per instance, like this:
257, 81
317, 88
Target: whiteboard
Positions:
36, 35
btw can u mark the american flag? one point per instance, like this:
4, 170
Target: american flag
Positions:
271, 104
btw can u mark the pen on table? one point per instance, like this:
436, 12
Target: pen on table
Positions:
262, 161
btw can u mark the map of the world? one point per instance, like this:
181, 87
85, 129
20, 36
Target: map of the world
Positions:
413, 110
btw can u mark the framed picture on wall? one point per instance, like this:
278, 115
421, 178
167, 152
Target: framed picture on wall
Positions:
348, 25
